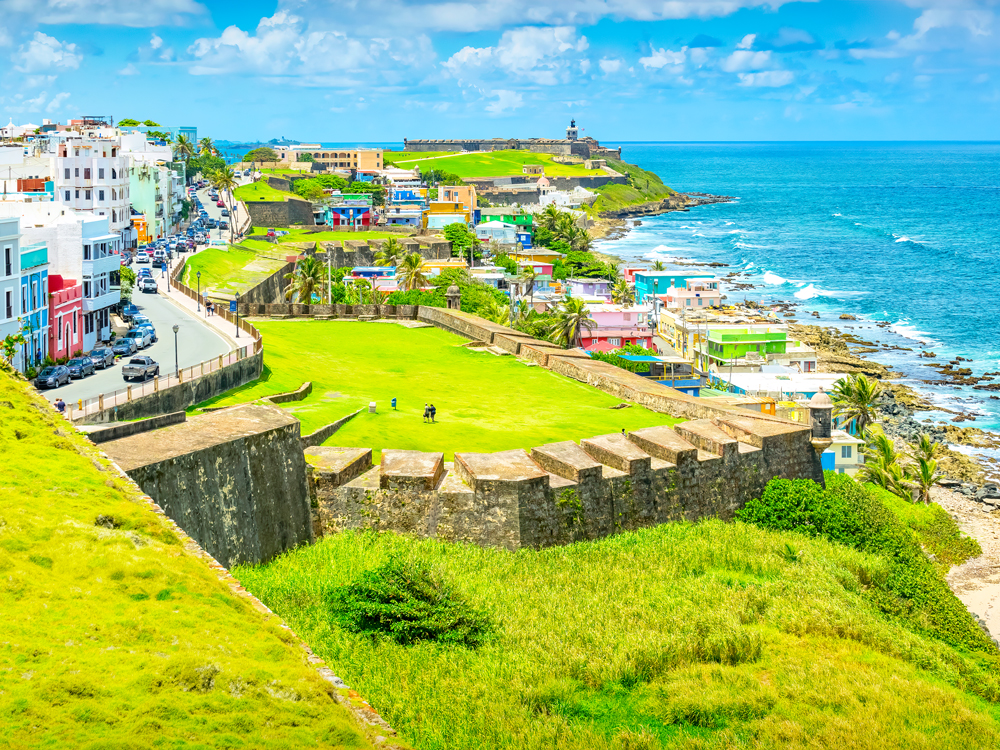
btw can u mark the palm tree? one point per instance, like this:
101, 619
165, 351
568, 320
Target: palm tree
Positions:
206, 146
854, 401
390, 253
410, 272
224, 180
570, 318
925, 448
527, 279
882, 464
495, 312
549, 217
622, 293
308, 276
924, 476
658, 266
183, 148
612, 271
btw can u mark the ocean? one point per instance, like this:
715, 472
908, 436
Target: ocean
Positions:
903, 233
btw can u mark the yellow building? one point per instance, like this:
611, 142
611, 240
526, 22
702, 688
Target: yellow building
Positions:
434, 267
440, 214
536, 254
351, 158
464, 194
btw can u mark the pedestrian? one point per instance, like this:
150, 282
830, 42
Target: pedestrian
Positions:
623, 432
427, 412
60, 405
434, 412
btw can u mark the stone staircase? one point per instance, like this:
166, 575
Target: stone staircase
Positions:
561, 492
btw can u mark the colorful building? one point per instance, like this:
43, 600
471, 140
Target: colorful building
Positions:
10, 279
618, 325
588, 288
489, 231
649, 283
723, 347
699, 292
440, 214
66, 316
34, 303
844, 456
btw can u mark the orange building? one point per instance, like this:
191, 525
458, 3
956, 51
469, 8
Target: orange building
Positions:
141, 229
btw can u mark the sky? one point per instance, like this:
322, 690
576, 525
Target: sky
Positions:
626, 70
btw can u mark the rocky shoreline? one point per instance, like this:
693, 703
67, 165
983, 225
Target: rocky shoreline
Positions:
676, 202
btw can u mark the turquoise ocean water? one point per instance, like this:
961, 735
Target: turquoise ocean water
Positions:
906, 233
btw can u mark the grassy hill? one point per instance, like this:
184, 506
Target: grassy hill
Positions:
644, 187
115, 635
234, 268
707, 635
262, 191
486, 163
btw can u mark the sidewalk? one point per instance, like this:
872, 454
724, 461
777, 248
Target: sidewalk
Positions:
224, 327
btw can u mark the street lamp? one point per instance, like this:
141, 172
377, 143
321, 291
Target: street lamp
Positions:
237, 314
168, 273
177, 370
199, 291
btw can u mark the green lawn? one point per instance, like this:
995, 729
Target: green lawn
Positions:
299, 235
230, 269
646, 186
484, 403
397, 157
694, 636
492, 164
262, 191
119, 637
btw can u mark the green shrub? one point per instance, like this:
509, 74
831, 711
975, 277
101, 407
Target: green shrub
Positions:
407, 603
853, 515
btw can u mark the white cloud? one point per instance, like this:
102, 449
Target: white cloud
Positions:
43, 53
155, 41
56, 102
146, 14
743, 59
659, 58
506, 101
609, 66
129, 70
747, 41
40, 104
539, 54
767, 78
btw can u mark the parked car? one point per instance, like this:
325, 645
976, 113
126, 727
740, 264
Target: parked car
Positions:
102, 357
124, 347
147, 284
80, 367
142, 257
52, 377
220, 204
129, 310
141, 338
140, 367
144, 273
223, 225
225, 212
148, 328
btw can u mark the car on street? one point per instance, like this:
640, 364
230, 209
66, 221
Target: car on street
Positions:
220, 204
223, 225
102, 357
124, 347
225, 212
80, 367
148, 328
140, 367
142, 257
147, 284
52, 377
129, 310
141, 338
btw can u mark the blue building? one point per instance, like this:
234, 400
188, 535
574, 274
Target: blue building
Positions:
35, 302
649, 283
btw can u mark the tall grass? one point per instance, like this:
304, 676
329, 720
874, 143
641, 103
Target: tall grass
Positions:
705, 635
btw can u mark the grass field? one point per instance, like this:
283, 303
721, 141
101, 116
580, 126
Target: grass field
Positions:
489, 163
646, 186
407, 156
229, 270
119, 637
484, 403
299, 235
261, 191
702, 636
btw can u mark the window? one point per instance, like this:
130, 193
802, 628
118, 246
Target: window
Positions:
77, 170
34, 294
77, 193
66, 172
627, 317
699, 302
86, 292
75, 313
67, 195
86, 173
100, 195
59, 329
10, 304
87, 196
100, 173
8, 262
114, 175
86, 252
615, 342
845, 451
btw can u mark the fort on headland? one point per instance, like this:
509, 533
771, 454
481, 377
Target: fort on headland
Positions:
571, 145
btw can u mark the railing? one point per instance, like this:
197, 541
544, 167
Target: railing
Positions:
84, 407
220, 312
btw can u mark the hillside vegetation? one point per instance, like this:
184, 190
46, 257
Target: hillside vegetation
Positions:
262, 191
487, 163
644, 187
112, 635
707, 635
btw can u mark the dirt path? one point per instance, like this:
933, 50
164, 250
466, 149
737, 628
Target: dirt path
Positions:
977, 582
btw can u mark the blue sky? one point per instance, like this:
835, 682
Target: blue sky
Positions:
627, 70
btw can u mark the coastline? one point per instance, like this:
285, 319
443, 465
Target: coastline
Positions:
840, 349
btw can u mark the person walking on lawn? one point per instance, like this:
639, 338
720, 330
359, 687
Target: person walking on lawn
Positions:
427, 412
434, 412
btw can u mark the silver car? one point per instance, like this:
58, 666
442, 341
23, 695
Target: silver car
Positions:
141, 338
102, 357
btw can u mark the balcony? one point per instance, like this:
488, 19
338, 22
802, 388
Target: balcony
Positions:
100, 266
90, 304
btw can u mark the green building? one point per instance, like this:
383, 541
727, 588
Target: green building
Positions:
724, 346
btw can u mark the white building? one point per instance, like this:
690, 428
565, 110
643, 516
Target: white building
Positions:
91, 176
10, 276
844, 454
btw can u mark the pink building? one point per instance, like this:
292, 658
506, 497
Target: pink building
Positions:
629, 273
65, 316
617, 326
694, 294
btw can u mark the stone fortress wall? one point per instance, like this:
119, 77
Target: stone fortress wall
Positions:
588, 147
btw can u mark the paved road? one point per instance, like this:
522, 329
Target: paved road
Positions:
196, 343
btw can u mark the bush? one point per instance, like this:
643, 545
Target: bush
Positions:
407, 603
851, 514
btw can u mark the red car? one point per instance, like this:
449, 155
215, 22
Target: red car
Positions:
220, 204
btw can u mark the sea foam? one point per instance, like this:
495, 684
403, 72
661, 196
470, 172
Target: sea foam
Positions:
773, 278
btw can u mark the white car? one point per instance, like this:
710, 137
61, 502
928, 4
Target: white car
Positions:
159, 254
146, 284
142, 257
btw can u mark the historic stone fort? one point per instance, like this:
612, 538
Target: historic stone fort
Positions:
571, 145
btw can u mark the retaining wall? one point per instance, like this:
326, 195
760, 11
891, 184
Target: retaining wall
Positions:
134, 428
287, 213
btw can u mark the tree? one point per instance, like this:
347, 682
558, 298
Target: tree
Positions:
377, 191
658, 266
127, 282
305, 156
10, 344
225, 180
622, 293
854, 401
184, 148
151, 124
612, 271
390, 254
882, 465
312, 192
925, 448
207, 146
495, 312
307, 278
570, 318
128, 123
924, 476
526, 279
263, 153
461, 238
410, 272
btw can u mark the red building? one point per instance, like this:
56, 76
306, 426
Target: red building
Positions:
65, 317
